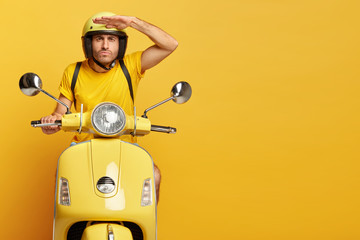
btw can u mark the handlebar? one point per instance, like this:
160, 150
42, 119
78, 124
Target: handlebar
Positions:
154, 128
157, 128
38, 123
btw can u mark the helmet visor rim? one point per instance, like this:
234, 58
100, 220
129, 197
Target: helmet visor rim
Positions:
106, 32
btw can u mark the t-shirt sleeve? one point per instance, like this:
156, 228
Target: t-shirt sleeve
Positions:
133, 64
65, 84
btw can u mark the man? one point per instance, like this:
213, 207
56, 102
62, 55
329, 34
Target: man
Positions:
101, 78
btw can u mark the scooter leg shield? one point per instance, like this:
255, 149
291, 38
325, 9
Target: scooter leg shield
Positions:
106, 231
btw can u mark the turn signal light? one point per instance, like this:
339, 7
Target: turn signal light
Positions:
64, 192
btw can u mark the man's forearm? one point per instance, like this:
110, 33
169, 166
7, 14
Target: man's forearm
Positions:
158, 36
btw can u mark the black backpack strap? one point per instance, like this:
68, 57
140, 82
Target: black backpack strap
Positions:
74, 79
128, 78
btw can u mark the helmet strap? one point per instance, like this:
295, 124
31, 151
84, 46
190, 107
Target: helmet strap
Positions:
102, 66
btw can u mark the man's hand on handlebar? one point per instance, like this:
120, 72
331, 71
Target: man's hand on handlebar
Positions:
49, 129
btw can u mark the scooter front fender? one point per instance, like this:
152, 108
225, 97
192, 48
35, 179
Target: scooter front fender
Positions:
106, 231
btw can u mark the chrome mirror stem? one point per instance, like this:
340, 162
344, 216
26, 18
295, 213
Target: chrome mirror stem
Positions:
67, 107
156, 105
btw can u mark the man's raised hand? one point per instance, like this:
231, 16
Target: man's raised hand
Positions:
118, 22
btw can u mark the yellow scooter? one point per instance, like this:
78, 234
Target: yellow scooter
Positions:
105, 187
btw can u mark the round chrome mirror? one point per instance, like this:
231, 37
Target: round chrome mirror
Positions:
30, 84
181, 92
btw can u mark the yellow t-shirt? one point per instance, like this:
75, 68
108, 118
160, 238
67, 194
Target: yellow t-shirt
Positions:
93, 88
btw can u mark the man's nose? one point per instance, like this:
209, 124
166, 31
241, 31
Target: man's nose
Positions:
106, 44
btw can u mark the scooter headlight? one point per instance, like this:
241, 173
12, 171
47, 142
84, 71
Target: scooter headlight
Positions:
108, 118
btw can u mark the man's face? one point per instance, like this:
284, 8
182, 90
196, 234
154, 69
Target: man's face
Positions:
105, 48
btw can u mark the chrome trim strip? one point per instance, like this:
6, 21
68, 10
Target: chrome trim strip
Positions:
110, 232
81, 117
134, 133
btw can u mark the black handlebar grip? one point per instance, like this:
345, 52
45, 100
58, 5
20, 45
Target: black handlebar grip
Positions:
35, 122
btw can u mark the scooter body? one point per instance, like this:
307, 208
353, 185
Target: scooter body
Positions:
105, 187
83, 165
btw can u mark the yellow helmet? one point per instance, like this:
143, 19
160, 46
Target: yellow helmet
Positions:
90, 29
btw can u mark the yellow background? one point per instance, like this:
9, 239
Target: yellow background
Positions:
267, 148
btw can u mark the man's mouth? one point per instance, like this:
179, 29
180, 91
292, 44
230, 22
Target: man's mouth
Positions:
106, 53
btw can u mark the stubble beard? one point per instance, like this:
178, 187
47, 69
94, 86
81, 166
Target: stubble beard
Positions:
104, 60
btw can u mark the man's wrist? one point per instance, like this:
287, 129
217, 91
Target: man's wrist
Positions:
134, 22
57, 115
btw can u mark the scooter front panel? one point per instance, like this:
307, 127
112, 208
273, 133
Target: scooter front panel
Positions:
128, 165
